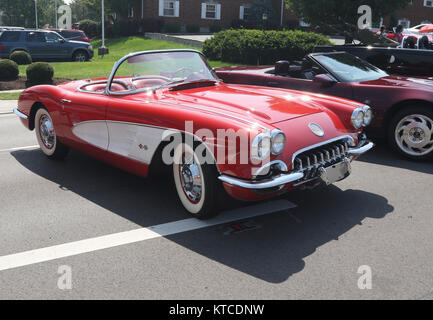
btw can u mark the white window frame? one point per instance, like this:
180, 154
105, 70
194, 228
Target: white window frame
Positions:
404, 22
131, 12
428, 6
162, 8
242, 11
217, 10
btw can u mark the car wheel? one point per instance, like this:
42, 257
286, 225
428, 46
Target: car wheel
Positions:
196, 184
80, 56
47, 138
410, 132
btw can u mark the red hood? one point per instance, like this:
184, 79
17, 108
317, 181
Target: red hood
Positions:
405, 82
263, 104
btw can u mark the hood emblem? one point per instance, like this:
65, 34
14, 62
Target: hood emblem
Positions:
316, 129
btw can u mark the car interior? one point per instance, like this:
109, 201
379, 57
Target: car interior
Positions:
304, 69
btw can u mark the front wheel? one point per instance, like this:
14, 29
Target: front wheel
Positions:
410, 132
80, 56
47, 137
196, 184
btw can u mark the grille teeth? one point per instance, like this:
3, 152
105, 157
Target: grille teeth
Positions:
310, 161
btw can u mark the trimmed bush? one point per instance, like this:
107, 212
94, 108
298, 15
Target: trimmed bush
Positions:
171, 27
21, 57
214, 28
8, 70
192, 28
91, 28
261, 47
40, 73
152, 25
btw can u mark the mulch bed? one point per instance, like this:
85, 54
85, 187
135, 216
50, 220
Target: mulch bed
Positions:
21, 83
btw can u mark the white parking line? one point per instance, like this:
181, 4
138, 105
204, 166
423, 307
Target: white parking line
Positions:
19, 148
113, 240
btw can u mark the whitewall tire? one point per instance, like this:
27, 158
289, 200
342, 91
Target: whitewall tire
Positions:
46, 136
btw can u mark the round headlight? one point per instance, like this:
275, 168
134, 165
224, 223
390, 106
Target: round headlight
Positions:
261, 146
357, 118
368, 115
278, 142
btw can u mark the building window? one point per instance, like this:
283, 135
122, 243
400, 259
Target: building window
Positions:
404, 22
211, 11
131, 12
169, 8
245, 12
428, 3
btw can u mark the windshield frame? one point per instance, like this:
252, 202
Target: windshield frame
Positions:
119, 63
312, 57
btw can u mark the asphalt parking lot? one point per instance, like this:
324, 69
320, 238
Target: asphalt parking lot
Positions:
380, 217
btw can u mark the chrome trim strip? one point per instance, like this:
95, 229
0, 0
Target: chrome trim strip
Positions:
361, 150
20, 114
318, 145
256, 185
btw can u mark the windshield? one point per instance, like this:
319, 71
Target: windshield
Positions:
148, 71
348, 68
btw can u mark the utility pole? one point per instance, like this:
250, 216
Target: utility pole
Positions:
36, 14
103, 50
282, 12
55, 8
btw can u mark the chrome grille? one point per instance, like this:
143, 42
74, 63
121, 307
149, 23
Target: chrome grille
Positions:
324, 156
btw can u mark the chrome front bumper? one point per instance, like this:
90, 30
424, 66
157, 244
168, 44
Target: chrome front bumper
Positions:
284, 179
20, 114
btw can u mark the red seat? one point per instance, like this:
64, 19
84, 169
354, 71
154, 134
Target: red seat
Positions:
149, 83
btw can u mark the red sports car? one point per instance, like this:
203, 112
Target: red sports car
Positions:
168, 108
402, 106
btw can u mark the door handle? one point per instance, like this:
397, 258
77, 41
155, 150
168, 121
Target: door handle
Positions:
66, 101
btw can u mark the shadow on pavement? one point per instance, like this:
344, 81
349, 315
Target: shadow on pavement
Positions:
273, 251
383, 155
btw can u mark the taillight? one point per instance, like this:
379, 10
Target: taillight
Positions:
87, 40
1, 47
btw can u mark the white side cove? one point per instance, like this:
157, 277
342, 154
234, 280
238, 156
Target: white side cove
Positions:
93, 132
134, 141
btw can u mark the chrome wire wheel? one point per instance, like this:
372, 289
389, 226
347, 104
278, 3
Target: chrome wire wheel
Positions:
191, 178
414, 135
46, 131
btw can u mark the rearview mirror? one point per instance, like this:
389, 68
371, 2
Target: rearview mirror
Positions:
324, 79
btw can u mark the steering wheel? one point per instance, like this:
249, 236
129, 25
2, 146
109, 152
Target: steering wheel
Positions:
184, 69
147, 77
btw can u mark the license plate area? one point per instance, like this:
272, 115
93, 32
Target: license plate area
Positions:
336, 172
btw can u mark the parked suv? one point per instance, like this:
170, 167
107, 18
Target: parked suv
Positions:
70, 34
44, 45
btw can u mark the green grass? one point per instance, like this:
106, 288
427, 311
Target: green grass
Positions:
119, 47
9, 96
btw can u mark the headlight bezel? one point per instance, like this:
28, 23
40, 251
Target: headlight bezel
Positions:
357, 123
258, 144
277, 134
367, 120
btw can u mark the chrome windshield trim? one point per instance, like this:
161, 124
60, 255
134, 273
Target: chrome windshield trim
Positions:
257, 185
20, 114
318, 145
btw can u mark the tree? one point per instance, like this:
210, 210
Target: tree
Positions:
337, 12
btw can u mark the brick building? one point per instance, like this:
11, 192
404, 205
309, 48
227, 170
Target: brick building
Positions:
203, 12
418, 11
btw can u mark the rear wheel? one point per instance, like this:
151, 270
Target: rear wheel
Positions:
80, 56
410, 132
196, 184
47, 137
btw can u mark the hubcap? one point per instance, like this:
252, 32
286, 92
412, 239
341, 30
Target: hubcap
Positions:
80, 57
414, 135
47, 131
191, 178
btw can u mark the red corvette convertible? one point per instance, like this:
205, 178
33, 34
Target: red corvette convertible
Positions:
169, 108
402, 106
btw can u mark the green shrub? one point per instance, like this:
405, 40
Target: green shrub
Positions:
39, 73
261, 46
172, 27
21, 57
120, 28
192, 28
8, 70
91, 28
214, 28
